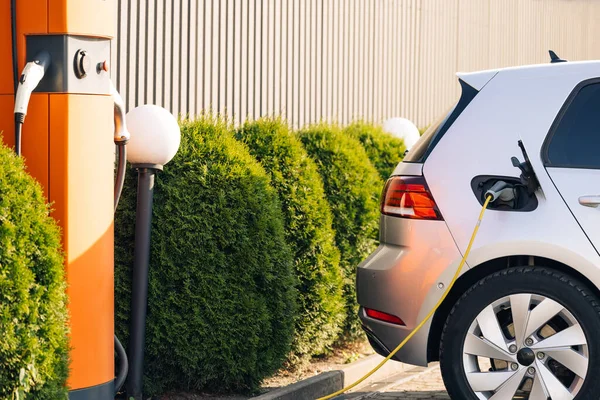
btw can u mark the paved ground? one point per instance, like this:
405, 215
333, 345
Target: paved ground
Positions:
427, 386
419, 384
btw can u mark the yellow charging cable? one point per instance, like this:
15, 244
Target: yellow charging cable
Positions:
433, 310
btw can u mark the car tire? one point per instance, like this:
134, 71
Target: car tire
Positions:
470, 330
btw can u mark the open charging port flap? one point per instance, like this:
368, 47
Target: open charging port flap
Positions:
523, 201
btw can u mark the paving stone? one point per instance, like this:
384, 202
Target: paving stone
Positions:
428, 386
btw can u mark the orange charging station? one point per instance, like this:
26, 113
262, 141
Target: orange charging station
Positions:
67, 143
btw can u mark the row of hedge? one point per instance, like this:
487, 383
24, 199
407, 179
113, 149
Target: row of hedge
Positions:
256, 236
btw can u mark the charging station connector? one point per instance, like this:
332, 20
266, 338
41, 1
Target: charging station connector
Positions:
31, 76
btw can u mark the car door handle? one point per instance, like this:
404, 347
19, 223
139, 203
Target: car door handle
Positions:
589, 201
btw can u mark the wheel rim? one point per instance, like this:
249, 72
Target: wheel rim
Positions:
525, 346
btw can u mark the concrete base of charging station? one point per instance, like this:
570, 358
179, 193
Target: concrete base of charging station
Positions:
331, 381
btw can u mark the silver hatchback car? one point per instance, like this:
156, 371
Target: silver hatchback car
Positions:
520, 321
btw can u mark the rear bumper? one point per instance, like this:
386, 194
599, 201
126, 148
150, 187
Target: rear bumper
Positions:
375, 343
402, 280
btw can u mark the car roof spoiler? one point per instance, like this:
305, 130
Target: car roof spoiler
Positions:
477, 80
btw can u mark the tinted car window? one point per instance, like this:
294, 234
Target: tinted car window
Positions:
575, 141
427, 142
419, 149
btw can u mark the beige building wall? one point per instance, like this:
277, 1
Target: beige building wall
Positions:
334, 60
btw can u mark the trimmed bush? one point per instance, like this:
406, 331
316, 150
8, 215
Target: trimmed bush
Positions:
33, 314
308, 231
221, 302
384, 150
352, 186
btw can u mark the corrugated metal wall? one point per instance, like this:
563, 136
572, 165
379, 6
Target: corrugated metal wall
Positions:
313, 60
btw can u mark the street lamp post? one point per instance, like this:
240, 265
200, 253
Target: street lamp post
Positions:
155, 138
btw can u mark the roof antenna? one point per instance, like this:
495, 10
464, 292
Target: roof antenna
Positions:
554, 58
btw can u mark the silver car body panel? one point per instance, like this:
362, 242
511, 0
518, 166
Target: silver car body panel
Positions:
395, 279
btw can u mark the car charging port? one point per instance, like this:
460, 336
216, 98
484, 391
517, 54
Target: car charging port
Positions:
508, 193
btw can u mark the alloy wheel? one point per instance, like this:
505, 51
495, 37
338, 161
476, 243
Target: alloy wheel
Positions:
525, 346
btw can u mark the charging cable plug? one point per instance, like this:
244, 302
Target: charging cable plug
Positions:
501, 190
30, 77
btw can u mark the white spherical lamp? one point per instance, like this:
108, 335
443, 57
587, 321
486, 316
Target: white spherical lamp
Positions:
155, 136
404, 129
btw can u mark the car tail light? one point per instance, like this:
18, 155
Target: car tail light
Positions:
381, 316
408, 197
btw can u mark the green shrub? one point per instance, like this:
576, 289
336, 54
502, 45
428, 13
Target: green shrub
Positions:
384, 150
221, 290
352, 186
308, 231
33, 315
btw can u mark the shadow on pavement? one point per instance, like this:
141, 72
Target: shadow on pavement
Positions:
398, 395
420, 395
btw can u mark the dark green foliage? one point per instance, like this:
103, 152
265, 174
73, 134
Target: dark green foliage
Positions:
221, 293
33, 314
384, 150
352, 186
308, 231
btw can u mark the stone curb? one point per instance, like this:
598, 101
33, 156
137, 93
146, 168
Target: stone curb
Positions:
331, 381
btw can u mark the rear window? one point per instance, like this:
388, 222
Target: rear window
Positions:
430, 138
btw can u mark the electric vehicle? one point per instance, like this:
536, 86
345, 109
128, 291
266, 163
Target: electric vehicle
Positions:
521, 320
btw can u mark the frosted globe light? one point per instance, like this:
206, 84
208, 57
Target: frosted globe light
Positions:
404, 129
155, 135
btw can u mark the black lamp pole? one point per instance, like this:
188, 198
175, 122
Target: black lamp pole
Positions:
139, 291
